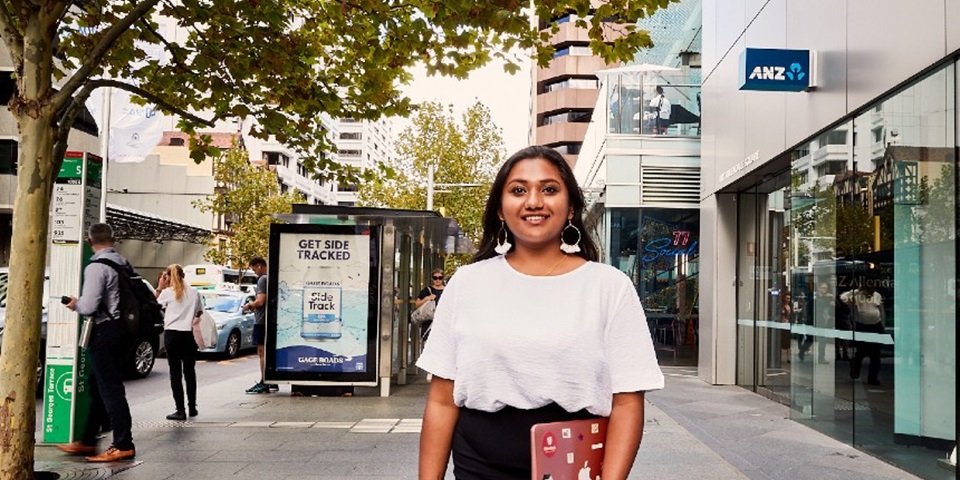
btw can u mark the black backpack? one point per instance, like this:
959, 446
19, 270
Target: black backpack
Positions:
139, 310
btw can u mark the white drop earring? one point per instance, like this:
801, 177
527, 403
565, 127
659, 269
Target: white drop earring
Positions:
503, 246
568, 247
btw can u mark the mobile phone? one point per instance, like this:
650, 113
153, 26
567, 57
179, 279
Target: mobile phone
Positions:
65, 300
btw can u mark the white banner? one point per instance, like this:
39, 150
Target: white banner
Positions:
134, 129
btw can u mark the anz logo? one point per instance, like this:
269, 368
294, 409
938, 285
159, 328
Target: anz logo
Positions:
776, 72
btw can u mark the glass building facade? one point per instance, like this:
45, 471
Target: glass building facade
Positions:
846, 299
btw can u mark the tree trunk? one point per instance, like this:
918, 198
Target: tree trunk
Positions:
21, 342
31, 211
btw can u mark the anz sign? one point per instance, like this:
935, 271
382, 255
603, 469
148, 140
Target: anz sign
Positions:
777, 70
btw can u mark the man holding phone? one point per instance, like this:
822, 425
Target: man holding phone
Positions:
100, 299
259, 309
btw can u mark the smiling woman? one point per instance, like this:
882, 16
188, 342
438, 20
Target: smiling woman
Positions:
500, 345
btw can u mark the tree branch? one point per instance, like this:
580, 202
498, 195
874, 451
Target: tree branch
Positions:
12, 35
99, 51
160, 102
65, 124
179, 61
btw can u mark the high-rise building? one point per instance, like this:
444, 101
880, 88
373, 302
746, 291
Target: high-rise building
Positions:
565, 92
363, 144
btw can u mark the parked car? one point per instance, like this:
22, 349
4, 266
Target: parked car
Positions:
140, 358
4, 282
234, 326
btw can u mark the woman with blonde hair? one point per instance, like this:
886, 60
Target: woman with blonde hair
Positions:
182, 306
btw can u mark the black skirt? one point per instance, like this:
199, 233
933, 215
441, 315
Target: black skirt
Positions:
496, 445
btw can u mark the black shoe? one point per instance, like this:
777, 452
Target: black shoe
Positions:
178, 415
194, 412
875, 383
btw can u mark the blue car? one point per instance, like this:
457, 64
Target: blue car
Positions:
234, 327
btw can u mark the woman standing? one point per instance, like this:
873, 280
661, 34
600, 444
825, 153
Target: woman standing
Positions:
182, 306
534, 331
432, 292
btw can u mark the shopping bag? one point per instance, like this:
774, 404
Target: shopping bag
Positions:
205, 331
424, 313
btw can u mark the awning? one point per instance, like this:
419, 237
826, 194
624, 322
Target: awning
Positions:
130, 224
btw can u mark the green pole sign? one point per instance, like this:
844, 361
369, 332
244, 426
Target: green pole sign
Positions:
75, 206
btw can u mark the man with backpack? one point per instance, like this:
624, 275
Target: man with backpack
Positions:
100, 299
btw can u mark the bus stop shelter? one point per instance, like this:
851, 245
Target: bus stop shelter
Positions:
404, 247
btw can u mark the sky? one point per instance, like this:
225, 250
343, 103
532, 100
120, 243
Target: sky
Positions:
507, 96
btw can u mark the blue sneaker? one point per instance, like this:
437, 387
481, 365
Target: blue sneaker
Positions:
258, 388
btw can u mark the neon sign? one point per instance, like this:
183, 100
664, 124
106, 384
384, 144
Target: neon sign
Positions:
678, 243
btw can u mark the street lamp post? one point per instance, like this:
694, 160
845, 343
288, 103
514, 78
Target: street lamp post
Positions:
432, 186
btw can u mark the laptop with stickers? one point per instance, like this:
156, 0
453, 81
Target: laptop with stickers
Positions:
571, 450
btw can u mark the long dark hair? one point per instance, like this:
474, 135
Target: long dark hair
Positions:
491, 219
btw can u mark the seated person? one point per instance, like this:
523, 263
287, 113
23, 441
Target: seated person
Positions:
657, 115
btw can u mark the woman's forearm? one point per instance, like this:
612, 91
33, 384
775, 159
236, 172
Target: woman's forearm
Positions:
623, 435
436, 437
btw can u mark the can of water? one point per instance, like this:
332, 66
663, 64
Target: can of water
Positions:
322, 305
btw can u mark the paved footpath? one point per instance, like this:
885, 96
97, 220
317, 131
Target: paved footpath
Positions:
693, 430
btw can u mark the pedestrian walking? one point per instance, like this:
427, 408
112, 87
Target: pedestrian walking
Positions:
535, 330
259, 308
100, 299
181, 308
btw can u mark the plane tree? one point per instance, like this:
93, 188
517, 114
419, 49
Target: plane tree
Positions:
465, 153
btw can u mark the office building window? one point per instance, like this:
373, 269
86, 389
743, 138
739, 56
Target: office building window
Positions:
8, 157
571, 83
847, 311
276, 158
568, 117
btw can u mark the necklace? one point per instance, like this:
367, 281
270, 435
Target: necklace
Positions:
549, 272
555, 266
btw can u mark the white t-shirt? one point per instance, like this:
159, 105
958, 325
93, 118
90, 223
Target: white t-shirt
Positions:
179, 315
664, 105
507, 338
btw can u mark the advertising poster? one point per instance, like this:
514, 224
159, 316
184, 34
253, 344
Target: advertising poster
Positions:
324, 325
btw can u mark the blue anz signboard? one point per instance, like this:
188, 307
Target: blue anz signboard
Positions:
776, 70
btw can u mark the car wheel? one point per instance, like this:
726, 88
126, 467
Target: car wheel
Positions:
142, 357
232, 348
